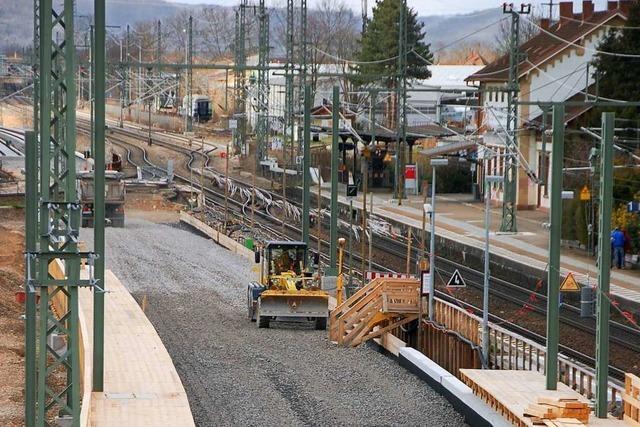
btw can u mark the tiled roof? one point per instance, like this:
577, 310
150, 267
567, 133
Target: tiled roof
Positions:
543, 46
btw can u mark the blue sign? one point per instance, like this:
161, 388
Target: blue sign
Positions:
633, 206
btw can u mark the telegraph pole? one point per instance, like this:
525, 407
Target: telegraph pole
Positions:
159, 42
262, 125
302, 76
364, 15
53, 221
189, 110
551, 4
99, 184
509, 207
553, 277
401, 105
306, 164
240, 62
335, 163
288, 135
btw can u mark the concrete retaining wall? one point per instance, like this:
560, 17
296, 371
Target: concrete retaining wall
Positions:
220, 238
476, 412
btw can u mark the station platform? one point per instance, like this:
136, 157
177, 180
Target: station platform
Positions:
511, 392
460, 218
141, 384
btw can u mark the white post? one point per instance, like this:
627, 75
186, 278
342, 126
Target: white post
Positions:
488, 180
485, 289
432, 255
432, 249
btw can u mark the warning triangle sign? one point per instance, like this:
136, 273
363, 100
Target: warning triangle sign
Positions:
569, 284
456, 281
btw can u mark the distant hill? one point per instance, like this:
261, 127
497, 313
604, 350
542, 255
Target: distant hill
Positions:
16, 21
444, 29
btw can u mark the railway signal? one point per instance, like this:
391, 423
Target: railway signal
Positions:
352, 190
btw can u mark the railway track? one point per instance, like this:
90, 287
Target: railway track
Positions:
621, 335
11, 142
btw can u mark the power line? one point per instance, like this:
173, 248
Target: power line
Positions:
466, 36
621, 101
349, 61
617, 27
570, 43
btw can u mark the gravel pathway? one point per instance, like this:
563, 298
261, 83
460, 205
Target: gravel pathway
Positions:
236, 374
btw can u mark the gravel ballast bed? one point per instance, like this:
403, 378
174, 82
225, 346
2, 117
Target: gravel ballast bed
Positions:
237, 374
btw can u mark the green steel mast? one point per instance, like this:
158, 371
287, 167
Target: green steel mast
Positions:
262, 125
52, 224
401, 104
509, 204
240, 93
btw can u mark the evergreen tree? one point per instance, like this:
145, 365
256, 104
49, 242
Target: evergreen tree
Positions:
618, 75
617, 78
380, 42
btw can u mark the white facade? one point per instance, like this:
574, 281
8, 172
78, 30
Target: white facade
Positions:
564, 75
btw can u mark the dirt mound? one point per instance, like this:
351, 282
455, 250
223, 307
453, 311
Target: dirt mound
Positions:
11, 327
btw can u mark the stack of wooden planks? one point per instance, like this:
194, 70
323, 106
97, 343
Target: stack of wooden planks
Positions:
558, 411
631, 398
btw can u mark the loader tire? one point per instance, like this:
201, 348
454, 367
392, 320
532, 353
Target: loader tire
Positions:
250, 307
263, 321
321, 323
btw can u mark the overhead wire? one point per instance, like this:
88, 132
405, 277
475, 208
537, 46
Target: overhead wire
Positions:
621, 101
593, 24
573, 43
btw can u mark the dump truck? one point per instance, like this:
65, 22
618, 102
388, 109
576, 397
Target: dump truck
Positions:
113, 201
287, 288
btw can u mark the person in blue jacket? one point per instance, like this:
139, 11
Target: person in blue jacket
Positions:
617, 243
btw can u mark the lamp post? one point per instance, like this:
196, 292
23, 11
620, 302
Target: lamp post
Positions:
432, 256
488, 180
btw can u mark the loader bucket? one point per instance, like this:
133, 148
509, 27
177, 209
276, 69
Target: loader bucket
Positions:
306, 304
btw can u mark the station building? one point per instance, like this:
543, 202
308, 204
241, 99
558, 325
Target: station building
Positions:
556, 67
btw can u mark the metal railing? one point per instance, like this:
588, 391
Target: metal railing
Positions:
511, 351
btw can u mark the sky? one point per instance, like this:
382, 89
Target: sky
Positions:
424, 7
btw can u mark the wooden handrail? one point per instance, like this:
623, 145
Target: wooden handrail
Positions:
382, 301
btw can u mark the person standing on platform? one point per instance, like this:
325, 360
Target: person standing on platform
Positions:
618, 242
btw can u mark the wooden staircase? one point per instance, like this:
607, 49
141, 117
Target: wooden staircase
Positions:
379, 307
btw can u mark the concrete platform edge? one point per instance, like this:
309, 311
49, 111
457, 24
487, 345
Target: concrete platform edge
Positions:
476, 413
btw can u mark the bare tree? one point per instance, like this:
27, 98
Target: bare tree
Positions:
333, 38
176, 27
528, 30
144, 35
466, 52
216, 30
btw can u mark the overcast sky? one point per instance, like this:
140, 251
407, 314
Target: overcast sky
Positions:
424, 7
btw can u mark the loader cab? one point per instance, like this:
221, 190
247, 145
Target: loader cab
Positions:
287, 288
286, 257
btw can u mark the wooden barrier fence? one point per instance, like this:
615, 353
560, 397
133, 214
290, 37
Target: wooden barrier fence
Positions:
452, 341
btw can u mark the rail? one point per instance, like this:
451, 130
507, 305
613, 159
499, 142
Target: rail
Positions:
515, 350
